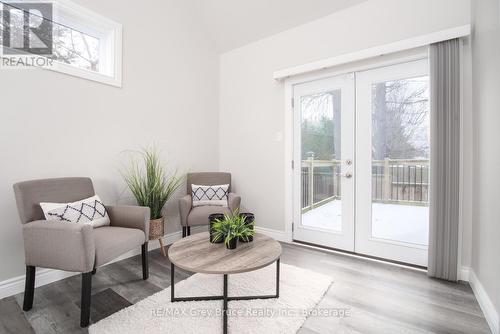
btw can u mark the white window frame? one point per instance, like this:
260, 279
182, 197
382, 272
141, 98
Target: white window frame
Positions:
108, 31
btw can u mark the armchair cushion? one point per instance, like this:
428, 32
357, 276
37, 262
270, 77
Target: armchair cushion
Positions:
59, 245
199, 215
111, 242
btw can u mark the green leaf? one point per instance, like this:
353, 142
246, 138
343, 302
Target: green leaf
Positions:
148, 182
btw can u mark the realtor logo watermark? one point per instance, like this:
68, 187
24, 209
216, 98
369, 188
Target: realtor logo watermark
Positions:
256, 312
26, 35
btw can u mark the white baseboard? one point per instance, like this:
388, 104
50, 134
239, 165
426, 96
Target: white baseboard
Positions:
15, 285
169, 239
490, 313
275, 234
464, 274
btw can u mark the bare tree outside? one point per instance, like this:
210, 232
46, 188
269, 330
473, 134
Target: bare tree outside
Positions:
76, 48
400, 118
321, 126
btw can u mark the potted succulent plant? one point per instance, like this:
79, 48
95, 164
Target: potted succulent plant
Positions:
249, 219
231, 228
215, 221
151, 187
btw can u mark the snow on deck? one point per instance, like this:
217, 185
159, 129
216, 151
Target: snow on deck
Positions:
405, 223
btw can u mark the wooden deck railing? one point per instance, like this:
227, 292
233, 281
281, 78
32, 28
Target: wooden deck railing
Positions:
403, 181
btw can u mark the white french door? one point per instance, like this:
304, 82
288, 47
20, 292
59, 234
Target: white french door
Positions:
323, 156
361, 156
392, 154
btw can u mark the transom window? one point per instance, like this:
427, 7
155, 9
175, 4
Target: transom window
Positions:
77, 41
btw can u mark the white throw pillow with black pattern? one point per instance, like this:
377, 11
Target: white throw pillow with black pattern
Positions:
209, 195
86, 211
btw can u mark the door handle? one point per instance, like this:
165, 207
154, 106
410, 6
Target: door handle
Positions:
347, 175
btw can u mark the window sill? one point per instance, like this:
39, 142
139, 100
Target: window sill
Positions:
89, 75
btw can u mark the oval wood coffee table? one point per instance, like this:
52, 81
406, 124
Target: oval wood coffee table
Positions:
196, 254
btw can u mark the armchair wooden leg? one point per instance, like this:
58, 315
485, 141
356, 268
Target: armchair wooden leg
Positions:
189, 230
145, 265
162, 247
29, 288
184, 230
85, 302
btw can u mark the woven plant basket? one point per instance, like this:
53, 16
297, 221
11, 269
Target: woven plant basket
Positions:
156, 228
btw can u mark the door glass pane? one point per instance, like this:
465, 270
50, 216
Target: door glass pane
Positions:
400, 160
321, 156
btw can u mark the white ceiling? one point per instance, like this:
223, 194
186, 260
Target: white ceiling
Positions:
234, 23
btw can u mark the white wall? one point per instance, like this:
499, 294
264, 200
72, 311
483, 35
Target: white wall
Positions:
54, 125
486, 96
252, 119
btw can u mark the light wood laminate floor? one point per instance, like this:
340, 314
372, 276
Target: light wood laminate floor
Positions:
381, 298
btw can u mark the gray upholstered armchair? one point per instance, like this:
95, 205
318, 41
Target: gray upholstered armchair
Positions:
196, 216
75, 247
